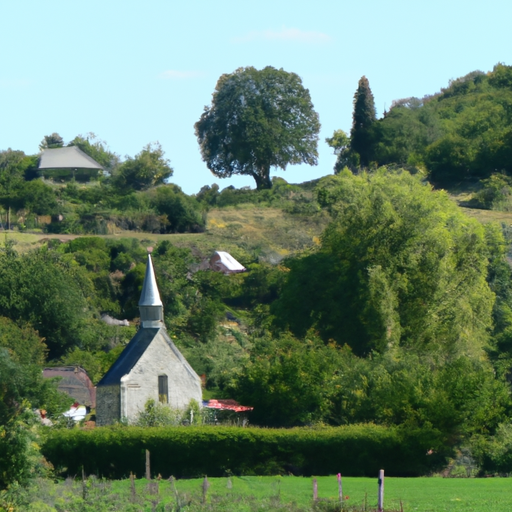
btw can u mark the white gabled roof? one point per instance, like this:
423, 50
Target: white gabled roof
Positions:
229, 262
71, 157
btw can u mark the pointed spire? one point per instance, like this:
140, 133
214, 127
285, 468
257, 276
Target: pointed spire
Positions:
150, 295
150, 304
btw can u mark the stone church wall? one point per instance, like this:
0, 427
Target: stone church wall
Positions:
108, 405
142, 382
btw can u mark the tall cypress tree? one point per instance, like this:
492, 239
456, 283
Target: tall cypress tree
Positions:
363, 117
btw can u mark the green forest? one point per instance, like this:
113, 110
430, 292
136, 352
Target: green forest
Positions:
371, 295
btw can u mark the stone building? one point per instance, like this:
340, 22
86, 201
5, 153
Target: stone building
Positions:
75, 382
150, 367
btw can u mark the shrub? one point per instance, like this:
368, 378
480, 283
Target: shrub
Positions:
496, 193
158, 415
494, 453
194, 451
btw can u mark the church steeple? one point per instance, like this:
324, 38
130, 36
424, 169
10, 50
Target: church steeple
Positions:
150, 305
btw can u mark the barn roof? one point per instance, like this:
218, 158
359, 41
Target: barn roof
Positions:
75, 382
224, 262
71, 157
226, 405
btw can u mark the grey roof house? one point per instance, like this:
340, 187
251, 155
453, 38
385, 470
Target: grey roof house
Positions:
75, 382
150, 367
66, 162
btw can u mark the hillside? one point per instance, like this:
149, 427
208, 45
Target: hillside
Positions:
461, 132
266, 232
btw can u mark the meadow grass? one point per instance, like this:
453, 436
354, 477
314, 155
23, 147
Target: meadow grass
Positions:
275, 493
265, 232
415, 494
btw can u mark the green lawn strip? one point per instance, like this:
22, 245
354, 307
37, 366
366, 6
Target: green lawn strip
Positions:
416, 494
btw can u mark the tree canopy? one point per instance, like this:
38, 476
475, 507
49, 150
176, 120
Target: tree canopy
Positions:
13, 165
362, 119
97, 149
400, 265
51, 141
42, 289
463, 131
147, 169
258, 119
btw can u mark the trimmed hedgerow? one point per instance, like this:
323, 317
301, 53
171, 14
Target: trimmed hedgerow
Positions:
356, 450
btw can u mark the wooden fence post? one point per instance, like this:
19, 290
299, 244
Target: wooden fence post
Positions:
340, 488
315, 490
148, 466
84, 485
132, 487
380, 507
206, 484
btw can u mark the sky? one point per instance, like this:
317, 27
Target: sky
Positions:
139, 72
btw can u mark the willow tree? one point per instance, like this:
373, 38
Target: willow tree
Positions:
258, 119
399, 266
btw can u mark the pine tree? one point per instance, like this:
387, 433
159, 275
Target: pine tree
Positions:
363, 117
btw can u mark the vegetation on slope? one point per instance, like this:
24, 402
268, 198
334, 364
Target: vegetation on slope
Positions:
369, 296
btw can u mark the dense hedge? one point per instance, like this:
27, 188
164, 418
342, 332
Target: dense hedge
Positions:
357, 450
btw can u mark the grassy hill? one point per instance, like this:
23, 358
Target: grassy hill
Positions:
269, 233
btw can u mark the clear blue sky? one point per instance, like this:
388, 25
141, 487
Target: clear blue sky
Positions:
137, 72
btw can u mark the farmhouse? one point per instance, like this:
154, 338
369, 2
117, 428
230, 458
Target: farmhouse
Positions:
150, 367
75, 382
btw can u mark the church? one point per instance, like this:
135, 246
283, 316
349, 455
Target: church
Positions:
150, 367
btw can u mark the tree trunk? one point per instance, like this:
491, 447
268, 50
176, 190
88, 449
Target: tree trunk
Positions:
262, 179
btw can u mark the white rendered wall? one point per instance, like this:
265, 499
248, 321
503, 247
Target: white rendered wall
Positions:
141, 384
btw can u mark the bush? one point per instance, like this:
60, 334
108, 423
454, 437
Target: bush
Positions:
359, 450
494, 454
158, 415
496, 193
20, 459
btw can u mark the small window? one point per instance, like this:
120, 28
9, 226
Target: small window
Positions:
163, 389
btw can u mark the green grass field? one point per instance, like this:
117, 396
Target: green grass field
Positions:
416, 494
277, 493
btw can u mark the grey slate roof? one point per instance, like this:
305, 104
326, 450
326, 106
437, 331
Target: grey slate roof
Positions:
70, 157
133, 352
129, 356
150, 295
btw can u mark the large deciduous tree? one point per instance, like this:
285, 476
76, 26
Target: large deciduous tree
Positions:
258, 119
363, 117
